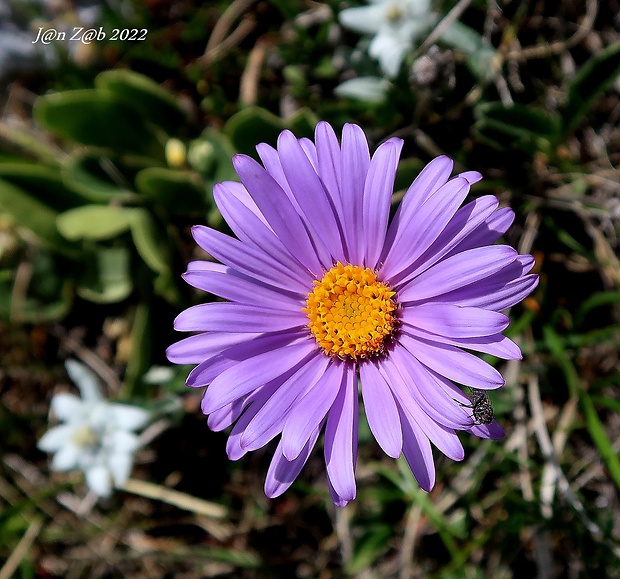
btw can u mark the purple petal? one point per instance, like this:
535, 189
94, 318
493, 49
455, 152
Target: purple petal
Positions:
206, 371
466, 220
417, 451
425, 227
249, 374
355, 159
493, 296
253, 232
269, 421
455, 321
496, 345
282, 472
196, 349
224, 417
416, 389
329, 163
311, 195
471, 176
455, 364
336, 498
238, 191
271, 160
310, 151
381, 410
239, 318
488, 232
252, 406
310, 411
378, 190
341, 438
445, 439
431, 178
247, 259
458, 271
492, 431
228, 284
277, 208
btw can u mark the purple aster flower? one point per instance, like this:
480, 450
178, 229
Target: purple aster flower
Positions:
324, 292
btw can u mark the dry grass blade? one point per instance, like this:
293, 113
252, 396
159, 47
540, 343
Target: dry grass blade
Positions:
176, 498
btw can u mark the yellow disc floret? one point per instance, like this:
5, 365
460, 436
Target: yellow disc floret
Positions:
352, 315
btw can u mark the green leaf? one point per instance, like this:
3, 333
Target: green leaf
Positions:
251, 126
32, 145
141, 345
527, 128
43, 183
408, 170
86, 173
179, 192
302, 123
595, 76
109, 280
595, 301
147, 98
370, 548
148, 241
97, 118
33, 215
480, 53
95, 221
223, 152
593, 422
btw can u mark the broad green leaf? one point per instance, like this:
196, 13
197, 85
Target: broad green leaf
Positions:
43, 183
302, 123
110, 279
480, 54
148, 241
90, 174
251, 126
97, 118
408, 170
223, 151
150, 100
31, 145
179, 192
595, 76
31, 310
33, 215
166, 287
95, 222
529, 129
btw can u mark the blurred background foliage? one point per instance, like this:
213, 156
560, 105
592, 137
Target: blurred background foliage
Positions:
108, 154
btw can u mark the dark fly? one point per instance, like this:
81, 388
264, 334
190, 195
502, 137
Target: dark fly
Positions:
481, 406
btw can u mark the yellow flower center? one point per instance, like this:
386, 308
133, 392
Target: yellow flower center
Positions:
394, 13
351, 313
84, 436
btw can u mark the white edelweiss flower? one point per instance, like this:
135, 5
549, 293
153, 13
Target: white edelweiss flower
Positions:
96, 436
395, 25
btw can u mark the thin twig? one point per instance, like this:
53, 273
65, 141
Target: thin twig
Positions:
91, 359
24, 545
220, 39
176, 498
409, 540
560, 46
448, 19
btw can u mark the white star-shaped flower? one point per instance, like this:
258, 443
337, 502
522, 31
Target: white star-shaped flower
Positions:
96, 436
395, 25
